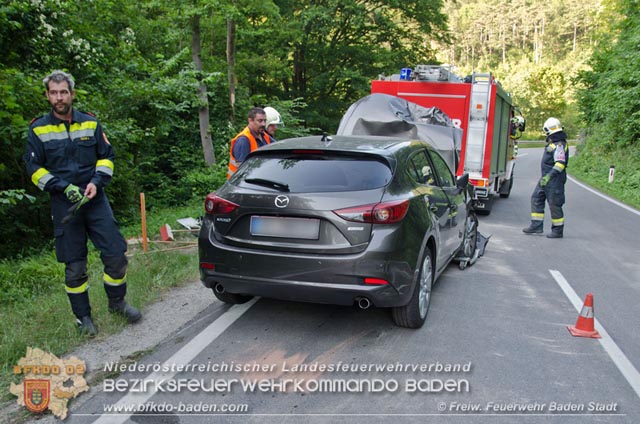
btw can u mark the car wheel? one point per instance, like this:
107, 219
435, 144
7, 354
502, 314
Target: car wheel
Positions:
470, 240
231, 298
414, 314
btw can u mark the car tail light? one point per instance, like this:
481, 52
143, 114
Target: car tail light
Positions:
379, 213
375, 281
215, 205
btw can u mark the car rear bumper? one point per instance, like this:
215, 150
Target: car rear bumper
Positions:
329, 279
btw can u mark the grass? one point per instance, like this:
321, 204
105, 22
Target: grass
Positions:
591, 166
35, 310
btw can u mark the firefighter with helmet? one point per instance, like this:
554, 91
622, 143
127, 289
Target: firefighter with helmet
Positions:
274, 120
550, 187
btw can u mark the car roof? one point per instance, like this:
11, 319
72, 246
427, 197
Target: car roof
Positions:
377, 145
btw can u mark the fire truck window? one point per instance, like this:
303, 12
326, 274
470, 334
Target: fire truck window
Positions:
445, 177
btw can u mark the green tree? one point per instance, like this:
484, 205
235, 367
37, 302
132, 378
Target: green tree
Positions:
327, 52
610, 97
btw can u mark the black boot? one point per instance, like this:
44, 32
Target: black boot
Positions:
556, 232
534, 228
121, 307
85, 326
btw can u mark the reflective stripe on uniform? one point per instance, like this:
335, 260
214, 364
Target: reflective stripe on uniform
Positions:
41, 177
59, 132
51, 132
105, 166
110, 281
83, 129
557, 222
537, 216
559, 166
77, 290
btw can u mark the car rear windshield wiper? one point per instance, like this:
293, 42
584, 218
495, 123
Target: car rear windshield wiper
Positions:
268, 183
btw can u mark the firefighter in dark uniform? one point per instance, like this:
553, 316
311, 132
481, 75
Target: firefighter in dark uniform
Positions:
69, 156
551, 185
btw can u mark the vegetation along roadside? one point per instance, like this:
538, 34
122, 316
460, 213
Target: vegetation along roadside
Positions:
33, 297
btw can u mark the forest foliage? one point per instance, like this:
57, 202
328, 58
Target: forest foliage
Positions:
134, 69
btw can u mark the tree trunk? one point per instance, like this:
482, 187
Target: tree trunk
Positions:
231, 64
203, 108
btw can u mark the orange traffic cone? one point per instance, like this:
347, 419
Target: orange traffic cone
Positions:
585, 325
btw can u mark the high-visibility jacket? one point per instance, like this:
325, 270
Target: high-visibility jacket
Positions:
253, 145
60, 153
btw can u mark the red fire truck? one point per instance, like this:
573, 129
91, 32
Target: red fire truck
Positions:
481, 108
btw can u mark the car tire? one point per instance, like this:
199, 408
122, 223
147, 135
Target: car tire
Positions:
470, 237
414, 314
231, 298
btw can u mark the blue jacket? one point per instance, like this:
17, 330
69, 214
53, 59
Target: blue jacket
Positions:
60, 153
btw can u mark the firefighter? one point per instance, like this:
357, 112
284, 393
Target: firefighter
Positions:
274, 120
68, 155
249, 139
551, 186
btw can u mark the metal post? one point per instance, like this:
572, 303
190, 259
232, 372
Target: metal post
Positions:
143, 214
612, 171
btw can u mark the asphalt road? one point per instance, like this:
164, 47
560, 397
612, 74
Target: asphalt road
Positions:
495, 348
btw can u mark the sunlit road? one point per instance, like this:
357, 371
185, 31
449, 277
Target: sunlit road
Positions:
499, 325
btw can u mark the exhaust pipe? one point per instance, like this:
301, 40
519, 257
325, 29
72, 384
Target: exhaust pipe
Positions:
219, 288
363, 302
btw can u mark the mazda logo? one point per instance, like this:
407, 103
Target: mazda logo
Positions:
282, 201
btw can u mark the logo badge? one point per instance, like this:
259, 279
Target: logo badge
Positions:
282, 201
36, 395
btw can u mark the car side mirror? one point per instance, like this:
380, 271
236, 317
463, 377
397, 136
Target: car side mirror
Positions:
462, 181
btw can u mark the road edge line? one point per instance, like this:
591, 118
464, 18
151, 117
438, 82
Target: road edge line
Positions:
604, 196
183, 356
629, 372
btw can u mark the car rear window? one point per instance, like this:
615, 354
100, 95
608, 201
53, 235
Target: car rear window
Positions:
313, 173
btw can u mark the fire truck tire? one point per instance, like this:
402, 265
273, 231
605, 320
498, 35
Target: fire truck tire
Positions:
508, 185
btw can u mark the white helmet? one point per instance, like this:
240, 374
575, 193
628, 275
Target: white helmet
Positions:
551, 125
273, 117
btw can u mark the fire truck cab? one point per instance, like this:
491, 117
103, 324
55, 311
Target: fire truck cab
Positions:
481, 108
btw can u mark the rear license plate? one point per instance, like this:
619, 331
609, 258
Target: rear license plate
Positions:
271, 226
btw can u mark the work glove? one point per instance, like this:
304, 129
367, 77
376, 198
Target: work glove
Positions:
73, 210
73, 193
544, 180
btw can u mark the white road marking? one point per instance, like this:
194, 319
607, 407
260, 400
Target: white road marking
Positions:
604, 196
182, 357
622, 362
